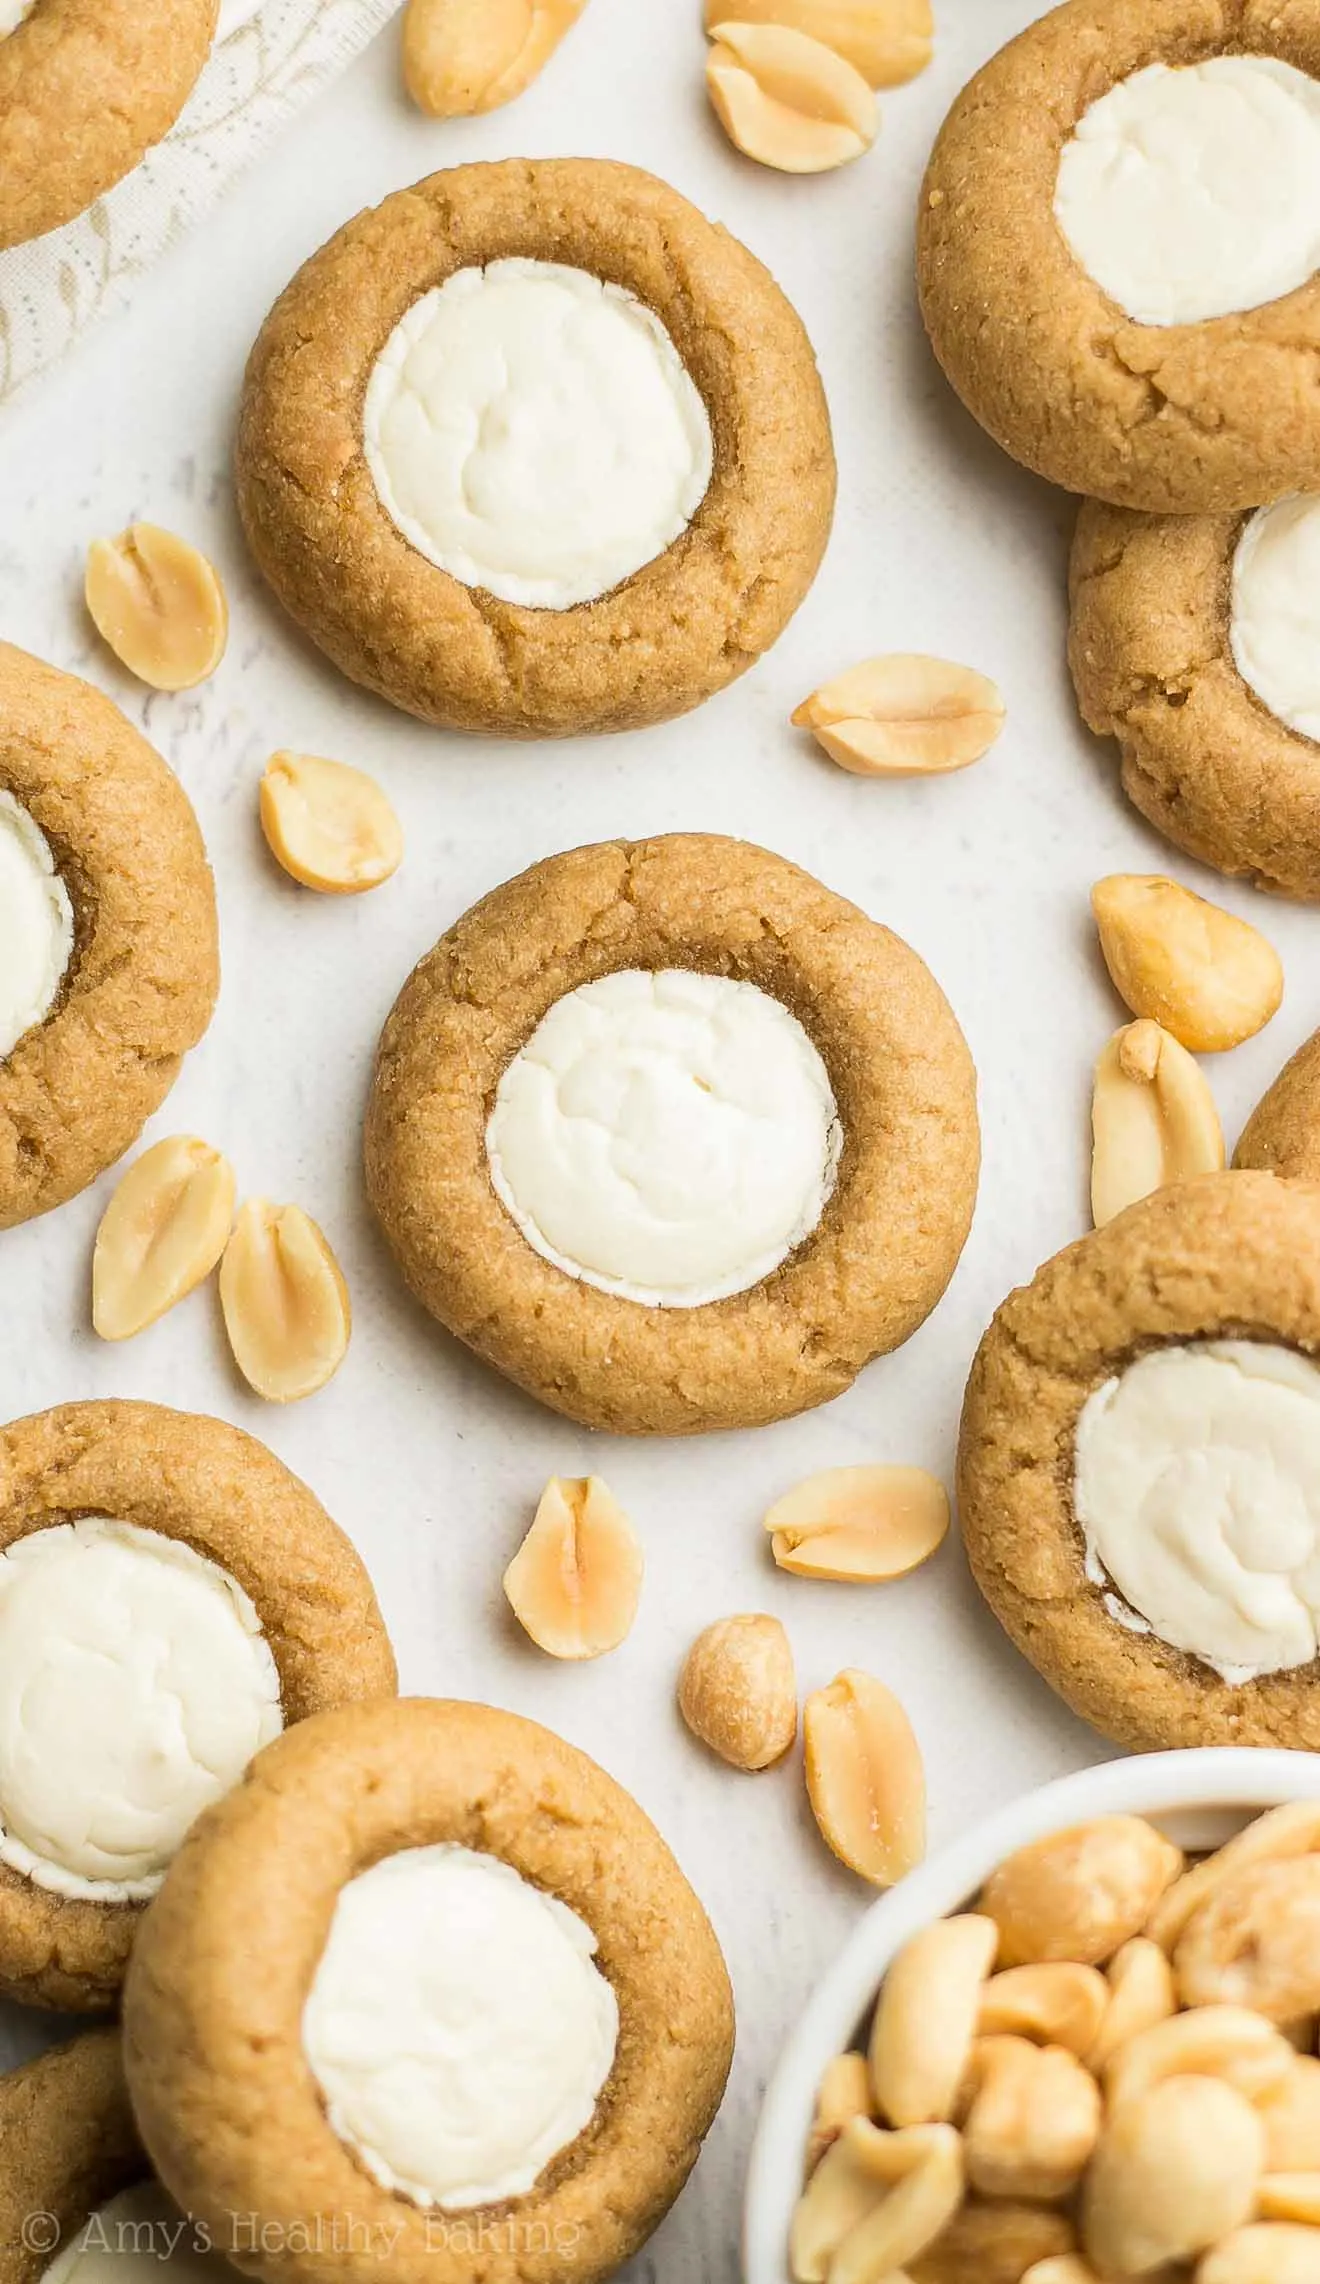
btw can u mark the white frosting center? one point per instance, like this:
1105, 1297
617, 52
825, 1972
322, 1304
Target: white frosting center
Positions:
12, 14
1197, 1487
533, 431
135, 1687
1274, 623
457, 2026
36, 923
139, 2237
667, 1137
1191, 191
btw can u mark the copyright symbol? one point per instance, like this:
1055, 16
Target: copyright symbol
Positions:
40, 2232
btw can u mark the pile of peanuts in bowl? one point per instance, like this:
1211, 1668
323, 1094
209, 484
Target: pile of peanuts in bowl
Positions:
1094, 2059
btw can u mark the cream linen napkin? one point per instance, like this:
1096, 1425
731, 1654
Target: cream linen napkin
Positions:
270, 58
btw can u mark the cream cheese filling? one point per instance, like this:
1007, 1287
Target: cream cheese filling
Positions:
1192, 191
457, 2026
1197, 1489
1274, 622
135, 1686
139, 2237
36, 925
532, 430
668, 1137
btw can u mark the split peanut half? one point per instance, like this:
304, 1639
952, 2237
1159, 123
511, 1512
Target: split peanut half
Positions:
865, 1778
285, 1303
859, 1524
904, 716
887, 41
163, 1231
461, 57
1153, 1119
159, 604
576, 1580
786, 99
328, 825
738, 1691
1209, 978
843, 2094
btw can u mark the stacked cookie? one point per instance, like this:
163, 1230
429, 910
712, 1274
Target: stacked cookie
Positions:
1118, 245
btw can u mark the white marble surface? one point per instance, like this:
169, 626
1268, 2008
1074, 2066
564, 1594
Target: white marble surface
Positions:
430, 1462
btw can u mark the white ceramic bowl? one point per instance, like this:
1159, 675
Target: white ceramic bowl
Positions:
1198, 1798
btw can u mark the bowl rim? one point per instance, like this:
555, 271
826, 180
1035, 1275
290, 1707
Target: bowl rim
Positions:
1154, 1784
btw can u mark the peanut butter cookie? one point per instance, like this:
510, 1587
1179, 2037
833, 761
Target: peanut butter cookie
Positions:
1118, 249
86, 88
491, 2024
1139, 1467
170, 1598
1191, 642
1282, 1135
109, 964
535, 449
67, 2144
673, 1136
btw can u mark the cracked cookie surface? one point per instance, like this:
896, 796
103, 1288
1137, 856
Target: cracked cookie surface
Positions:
86, 88
227, 2104
1190, 418
668, 637
1230, 1256
887, 1241
67, 2144
77, 1088
225, 1495
1150, 650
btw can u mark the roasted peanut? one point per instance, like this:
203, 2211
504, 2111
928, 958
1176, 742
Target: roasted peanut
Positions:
1063, 2268
329, 826
163, 1231
1033, 2122
845, 2186
925, 2019
904, 716
1270, 2253
1175, 2170
1290, 2114
1056, 2005
786, 100
1256, 1942
864, 1775
576, 1580
1276, 1837
912, 2214
159, 605
844, 2093
1153, 1120
1290, 2197
284, 1301
888, 41
859, 1524
1141, 1993
738, 1691
994, 2244
1078, 1895
461, 57
1208, 977
1228, 2042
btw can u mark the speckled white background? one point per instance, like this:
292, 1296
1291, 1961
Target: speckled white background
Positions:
430, 1462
